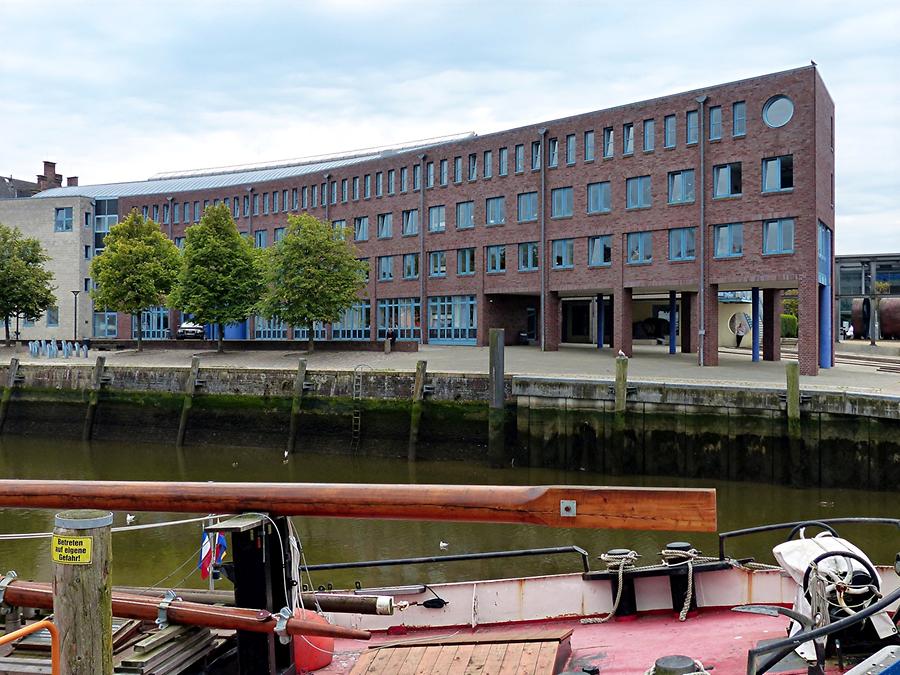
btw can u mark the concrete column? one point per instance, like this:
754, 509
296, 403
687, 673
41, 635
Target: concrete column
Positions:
808, 328
826, 338
552, 322
622, 321
771, 324
754, 294
688, 321
600, 320
672, 313
711, 339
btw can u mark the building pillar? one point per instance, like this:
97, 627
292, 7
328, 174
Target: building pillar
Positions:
754, 295
771, 321
552, 321
711, 338
672, 316
826, 338
622, 328
688, 321
808, 325
600, 320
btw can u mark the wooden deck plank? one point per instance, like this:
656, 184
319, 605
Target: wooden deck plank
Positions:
412, 660
461, 660
444, 660
428, 659
362, 663
478, 659
529, 658
546, 662
510, 665
397, 659
376, 667
522, 635
494, 659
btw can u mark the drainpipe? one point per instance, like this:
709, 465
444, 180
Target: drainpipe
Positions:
542, 134
423, 310
327, 193
701, 351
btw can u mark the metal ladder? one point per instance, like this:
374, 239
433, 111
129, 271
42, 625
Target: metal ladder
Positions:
356, 424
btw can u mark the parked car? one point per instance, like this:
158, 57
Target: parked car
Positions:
189, 331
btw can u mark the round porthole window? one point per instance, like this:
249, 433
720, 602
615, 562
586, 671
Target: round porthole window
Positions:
778, 111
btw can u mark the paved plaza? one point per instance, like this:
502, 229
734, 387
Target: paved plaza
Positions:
649, 363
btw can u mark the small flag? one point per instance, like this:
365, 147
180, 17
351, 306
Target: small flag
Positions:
208, 556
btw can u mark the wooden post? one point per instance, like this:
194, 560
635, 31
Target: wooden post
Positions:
8, 390
189, 389
93, 398
296, 404
415, 415
621, 383
792, 369
81, 550
497, 407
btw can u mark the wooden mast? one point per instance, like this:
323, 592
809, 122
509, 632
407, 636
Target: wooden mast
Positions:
634, 508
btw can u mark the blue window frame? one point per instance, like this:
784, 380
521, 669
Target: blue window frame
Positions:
367, 186
561, 202
727, 180
628, 139
386, 268
638, 192
385, 225
457, 169
738, 118
487, 166
303, 333
588, 146
437, 264
520, 158
465, 215
354, 324
496, 259
355, 190
410, 224
598, 198
62, 221
52, 316
778, 174
608, 142
379, 184
417, 176
715, 123
503, 162
671, 131
647, 136
402, 315
535, 155
429, 174
527, 207
640, 248
404, 179
452, 319
443, 173
728, 240
279, 234
529, 258
600, 251
570, 149
361, 228
563, 254
683, 243
465, 262
473, 166
410, 265
266, 202
692, 124
681, 186
778, 235
269, 329
553, 152
437, 218
260, 238
391, 181
495, 210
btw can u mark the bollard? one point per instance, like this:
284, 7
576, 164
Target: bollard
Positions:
189, 388
93, 398
296, 404
621, 383
81, 550
11, 380
497, 409
415, 415
792, 370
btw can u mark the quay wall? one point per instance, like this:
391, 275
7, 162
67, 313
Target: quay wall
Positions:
692, 430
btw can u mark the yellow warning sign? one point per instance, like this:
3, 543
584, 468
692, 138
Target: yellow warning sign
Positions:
72, 550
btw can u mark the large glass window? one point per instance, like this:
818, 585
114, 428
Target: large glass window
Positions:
354, 324
529, 259
410, 222
527, 207
62, 222
637, 192
640, 247
681, 186
465, 215
453, 319
269, 329
437, 218
563, 254
361, 228
682, 243
437, 264
411, 266
106, 215
600, 251
386, 268
598, 197
495, 210
778, 173
728, 240
496, 259
778, 235
561, 202
52, 316
400, 315
465, 262
727, 180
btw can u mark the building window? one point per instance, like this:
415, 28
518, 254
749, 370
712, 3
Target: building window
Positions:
179, 242
553, 153
275, 202
682, 243
384, 224
473, 166
314, 199
535, 155
778, 111
465, 262
367, 186
354, 323
588, 146
62, 221
144, 211
187, 209
443, 172
165, 217
279, 234
608, 140
410, 265
600, 251
503, 162
87, 252
465, 215
692, 123
176, 210
391, 178
266, 202
452, 318
284, 200
715, 123
640, 247
429, 174
563, 254
637, 192
488, 167
52, 317
778, 236
561, 202
355, 191
197, 211
345, 191
520, 158
437, 264
404, 179
457, 169
155, 216
647, 135
260, 238
417, 176
738, 118
496, 259
340, 227
437, 219
727, 180
324, 193
410, 224
379, 184
570, 149
671, 131
495, 210
529, 259
628, 139
87, 285
728, 240
681, 186
778, 173
294, 204
527, 207
386, 268
361, 228
400, 315
598, 197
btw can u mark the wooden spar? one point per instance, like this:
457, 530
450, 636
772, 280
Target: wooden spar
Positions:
128, 606
632, 508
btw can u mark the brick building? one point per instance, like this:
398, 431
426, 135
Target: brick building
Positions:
596, 227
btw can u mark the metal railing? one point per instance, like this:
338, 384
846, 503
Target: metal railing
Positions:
34, 628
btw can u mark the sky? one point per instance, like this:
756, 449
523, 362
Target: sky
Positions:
116, 91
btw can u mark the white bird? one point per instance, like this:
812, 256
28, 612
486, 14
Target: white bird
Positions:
621, 353
444, 545
129, 519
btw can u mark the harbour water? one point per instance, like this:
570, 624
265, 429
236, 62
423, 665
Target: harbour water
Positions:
167, 557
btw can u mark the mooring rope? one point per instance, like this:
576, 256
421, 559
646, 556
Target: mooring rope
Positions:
618, 562
672, 558
126, 528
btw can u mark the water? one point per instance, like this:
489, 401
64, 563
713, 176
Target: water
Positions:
168, 556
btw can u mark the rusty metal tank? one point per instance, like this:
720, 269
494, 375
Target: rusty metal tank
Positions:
888, 317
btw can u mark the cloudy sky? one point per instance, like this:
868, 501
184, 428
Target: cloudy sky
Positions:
122, 90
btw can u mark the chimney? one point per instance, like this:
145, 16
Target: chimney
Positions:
72, 181
49, 169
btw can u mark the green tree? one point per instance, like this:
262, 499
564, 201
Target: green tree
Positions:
25, 284
137, 269
221, 279
311, 275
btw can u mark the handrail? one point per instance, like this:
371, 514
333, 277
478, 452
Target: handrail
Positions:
783, 526
33, 628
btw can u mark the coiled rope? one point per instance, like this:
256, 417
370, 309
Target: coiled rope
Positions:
672, 558
620, 563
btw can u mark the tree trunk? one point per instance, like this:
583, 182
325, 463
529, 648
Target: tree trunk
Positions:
140, 332
310, 339
220, 346
6, 322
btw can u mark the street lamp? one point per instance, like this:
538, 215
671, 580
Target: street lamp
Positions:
75, 328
